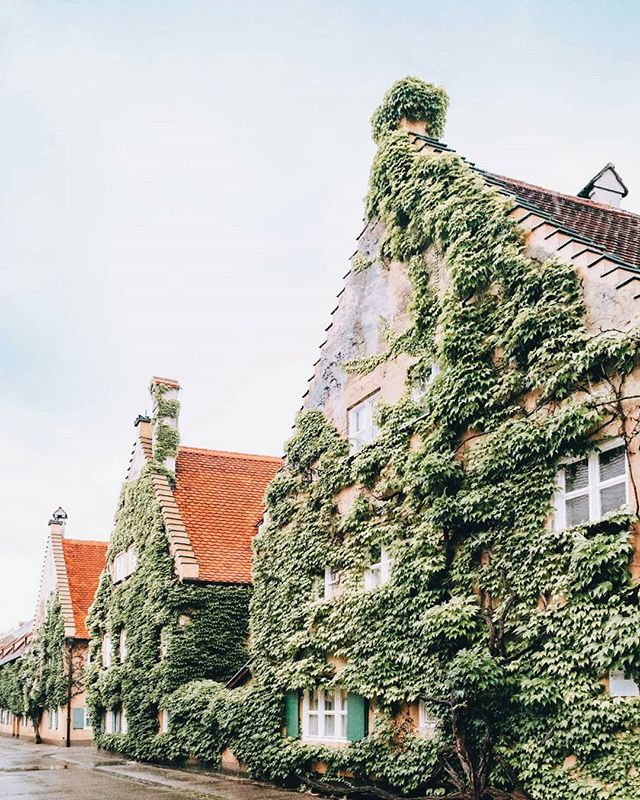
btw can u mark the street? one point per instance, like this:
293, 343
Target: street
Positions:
81, 773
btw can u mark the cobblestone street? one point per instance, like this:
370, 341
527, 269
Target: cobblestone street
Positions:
45, 771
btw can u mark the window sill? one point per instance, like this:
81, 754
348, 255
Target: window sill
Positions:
324, 741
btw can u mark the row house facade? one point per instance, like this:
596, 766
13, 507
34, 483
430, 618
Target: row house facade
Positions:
13, 645
172, 605
439, 619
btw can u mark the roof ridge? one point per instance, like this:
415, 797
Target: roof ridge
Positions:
581, 200
86, 541
230, 453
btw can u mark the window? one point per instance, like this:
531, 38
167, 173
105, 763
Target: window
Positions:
361, 426
106, 651
115, 721
164, 643
419, 387
54, 719
332, 586
124, 564
621, 686
81, 718
122, 646
324, 715
591, 487
377, 574
426, 723
163, 721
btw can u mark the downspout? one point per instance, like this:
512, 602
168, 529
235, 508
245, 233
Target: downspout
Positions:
69, 690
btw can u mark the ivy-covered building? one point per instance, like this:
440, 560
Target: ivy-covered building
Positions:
172, 605
13, 645
42, 692
446, 581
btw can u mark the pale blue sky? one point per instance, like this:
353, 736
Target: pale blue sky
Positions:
181, 186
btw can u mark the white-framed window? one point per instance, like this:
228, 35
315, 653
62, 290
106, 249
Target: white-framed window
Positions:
427, 724
113, 721
324, 715
622, 686
124, 725
54, 719
592, 486
419, 387
163, 720
332, 583
378, 573
87, 719
361, 427
124, 564
122, 646
165, 637
106, 651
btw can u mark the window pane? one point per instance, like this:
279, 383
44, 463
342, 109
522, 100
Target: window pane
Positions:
612, 463
612, 498
313, 724
343, 726
329, 700
576, 476
313, 701
577, 510
329, 725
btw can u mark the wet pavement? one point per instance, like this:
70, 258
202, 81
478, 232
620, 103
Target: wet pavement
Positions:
29, 771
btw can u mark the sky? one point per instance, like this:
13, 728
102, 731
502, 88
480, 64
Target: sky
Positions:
181, 188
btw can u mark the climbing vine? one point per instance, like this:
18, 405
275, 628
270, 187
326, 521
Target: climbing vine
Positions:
504, 627
175, 632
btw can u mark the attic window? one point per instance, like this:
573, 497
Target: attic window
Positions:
362, 428
124, 564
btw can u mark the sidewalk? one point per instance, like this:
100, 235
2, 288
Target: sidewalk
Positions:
67, 772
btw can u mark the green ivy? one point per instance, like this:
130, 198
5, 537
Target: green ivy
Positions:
204, 627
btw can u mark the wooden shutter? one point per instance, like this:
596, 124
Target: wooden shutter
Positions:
292, 714
78, 718
357, 717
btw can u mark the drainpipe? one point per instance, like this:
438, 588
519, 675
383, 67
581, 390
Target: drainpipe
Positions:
69, 689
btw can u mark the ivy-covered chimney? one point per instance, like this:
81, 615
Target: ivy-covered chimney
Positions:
164, 421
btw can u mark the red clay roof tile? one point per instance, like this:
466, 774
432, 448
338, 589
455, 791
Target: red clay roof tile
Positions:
84, 561
220, 496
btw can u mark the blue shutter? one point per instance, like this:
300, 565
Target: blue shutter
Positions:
292, 714
78, 718
357, 717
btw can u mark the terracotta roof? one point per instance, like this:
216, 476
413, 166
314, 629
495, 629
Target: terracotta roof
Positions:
171, 382
84, 561
615, 230
220, 497
15, 642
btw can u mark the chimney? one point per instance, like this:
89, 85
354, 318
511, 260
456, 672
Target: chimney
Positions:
58, 521
606, 187
164, 422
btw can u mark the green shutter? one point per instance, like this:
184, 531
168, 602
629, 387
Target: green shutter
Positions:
292, 714
357, 717
78, 718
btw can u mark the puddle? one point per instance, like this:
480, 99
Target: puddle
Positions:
32, 767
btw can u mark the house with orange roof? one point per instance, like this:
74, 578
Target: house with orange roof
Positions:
13, 645
53, 648
172, 604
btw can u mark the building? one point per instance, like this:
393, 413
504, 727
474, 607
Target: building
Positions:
172, 605
446, 580
12, 647
49, 655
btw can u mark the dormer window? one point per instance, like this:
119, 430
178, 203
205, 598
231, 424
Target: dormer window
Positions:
361, 427
591, 487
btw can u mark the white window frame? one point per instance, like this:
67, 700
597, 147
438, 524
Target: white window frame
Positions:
124, 564
594, 484
427, 725
106, 651
339, 714
332, 583
378, 574
164, 719
54, 719
122, 646
360, 424
621, 686
419, 388
87, 719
